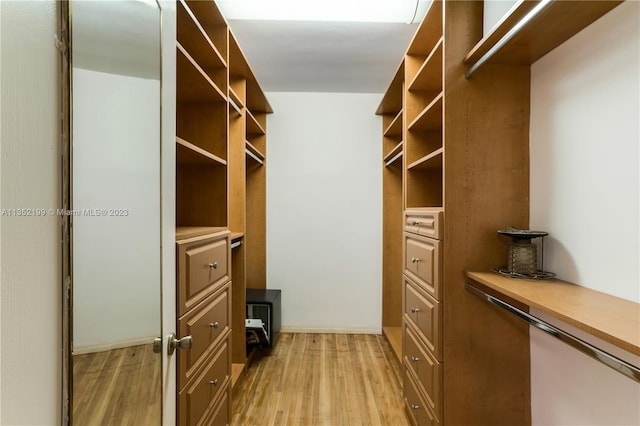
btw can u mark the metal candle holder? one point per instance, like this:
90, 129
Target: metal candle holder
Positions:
522, 259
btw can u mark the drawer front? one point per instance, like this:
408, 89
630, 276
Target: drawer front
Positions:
425, 368
196, 400
423, 311
220, 413
427, 222
422, 262
203, 264
206, 323
419, 412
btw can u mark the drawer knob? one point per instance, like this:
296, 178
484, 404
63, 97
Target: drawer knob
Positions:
415, 223
415, 407
415, 260
213, 382
414, 359
415, 310
214, 324
213, 265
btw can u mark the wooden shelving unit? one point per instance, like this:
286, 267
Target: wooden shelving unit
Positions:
392, 111
220, 189
453, 192
248, 192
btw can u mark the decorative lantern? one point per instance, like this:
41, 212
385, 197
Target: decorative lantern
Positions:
522, 257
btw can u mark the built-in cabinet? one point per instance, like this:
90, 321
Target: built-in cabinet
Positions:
454, 172
459, 173
220, 209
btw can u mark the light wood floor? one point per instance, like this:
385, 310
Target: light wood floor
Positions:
322, 379
118, 387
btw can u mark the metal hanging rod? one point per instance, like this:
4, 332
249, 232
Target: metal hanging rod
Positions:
395, 157
254, 156
235, 106
508, 36
607, 359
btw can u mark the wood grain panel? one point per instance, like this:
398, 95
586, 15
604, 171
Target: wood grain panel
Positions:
392, 208
256, 233
486, 178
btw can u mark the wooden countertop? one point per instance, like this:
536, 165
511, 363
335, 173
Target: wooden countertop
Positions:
612, 319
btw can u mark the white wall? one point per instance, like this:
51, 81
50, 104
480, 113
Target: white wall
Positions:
324, 217
494, 11
30, 246
585, 190
116, 165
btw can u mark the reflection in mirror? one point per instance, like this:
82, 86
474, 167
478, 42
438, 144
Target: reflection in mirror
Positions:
115, 173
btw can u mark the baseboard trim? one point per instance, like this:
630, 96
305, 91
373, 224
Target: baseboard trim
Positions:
89, 349
331, 330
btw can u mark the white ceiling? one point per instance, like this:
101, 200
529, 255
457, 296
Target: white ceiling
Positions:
298, 56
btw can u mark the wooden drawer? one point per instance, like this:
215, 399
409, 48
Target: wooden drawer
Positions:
422, 262
206, 324
419, 413
219, 415
425, 368
423, 311
203, 265
198, 398
427, 222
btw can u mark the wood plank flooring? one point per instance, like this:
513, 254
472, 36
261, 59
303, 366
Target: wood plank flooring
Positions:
117, 387
322, 379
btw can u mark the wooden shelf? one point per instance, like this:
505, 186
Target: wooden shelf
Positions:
429, 31
253, 127
394, 337
254, 153
194, 38
429, 76
395, 127
236, 236
431, 117
211, 20
555, 22
511, 18
610, 318
186, 232
392, 100
193, 84
428, 162
188, 153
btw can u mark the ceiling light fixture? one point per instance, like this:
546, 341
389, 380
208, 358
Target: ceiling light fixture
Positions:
398, 11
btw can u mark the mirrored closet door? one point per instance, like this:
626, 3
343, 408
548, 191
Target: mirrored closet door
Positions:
115, 309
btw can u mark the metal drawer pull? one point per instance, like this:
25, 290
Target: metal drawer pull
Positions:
415, 310
415, 407
214, 324
415, 260
213, 265
213, 382
414, 359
